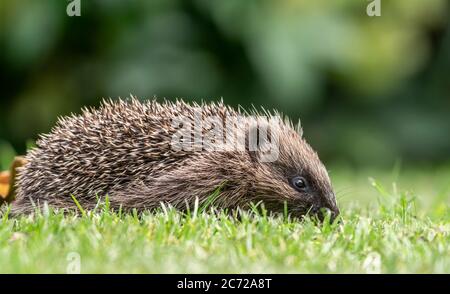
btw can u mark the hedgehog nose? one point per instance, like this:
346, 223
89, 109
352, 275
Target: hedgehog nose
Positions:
331, 206
332, 213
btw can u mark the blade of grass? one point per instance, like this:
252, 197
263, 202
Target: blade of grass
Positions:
211, 198
83, 212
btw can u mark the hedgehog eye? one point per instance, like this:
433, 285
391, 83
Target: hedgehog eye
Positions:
299, 183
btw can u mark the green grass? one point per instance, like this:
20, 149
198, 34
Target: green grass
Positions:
388, 227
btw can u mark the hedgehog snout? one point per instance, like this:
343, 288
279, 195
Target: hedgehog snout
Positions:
327, 205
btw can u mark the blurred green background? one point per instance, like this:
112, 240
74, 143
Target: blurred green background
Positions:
370, 91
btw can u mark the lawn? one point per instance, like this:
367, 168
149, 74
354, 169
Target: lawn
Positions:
392, 222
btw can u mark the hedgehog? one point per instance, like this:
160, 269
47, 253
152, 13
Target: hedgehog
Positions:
125, 150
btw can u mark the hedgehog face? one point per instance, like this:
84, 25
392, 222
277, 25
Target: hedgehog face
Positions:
297, 178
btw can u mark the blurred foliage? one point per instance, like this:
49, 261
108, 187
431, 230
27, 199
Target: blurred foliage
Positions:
369, 90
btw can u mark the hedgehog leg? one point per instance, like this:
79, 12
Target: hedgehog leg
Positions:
22, 206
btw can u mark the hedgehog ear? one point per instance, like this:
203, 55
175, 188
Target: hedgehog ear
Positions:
261, 142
